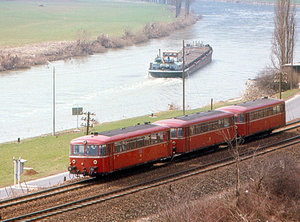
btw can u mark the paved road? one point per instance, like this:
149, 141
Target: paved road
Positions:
31, 185
293, 108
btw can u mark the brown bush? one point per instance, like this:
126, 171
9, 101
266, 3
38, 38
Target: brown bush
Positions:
273, 196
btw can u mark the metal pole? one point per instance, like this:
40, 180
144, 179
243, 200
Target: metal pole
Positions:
211, 103
53, 98
53, 133
183, 80
15, 171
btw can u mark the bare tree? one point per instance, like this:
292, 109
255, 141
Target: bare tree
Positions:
178, 7
283, 42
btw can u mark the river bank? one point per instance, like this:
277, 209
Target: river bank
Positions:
38, 54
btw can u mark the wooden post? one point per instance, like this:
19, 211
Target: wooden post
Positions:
183, 80
211, 103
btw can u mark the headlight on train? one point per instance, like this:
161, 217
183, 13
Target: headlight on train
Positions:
95, 162
73, 161
174, 143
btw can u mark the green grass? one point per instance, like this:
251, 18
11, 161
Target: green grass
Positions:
26, 22
288, 94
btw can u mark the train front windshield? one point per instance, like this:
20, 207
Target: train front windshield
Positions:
78, 150
89, 150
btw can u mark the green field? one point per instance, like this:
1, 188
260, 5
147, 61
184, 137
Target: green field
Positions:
27, 21
48, 155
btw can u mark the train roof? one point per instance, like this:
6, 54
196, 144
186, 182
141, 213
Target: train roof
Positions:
251, 105
182, 121
119, 134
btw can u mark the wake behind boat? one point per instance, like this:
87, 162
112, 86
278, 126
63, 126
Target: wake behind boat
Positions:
169, 65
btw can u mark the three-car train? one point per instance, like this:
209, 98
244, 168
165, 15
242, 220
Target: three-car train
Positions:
106, 152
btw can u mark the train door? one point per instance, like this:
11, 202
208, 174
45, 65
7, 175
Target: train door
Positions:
110, 150
187, 139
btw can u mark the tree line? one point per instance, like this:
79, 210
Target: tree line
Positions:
177, 3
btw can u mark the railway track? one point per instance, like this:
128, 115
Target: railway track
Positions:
46, 193
117, 193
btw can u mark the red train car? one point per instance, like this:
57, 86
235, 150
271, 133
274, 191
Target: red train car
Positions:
199, 130
258, 116
103, 153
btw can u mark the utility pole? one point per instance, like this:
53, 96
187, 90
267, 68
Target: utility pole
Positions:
53, 99
183, 79
88, 120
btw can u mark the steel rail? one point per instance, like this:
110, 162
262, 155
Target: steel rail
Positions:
20, 199
156, 182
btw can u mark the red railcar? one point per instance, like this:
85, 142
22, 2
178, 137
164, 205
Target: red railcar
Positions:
199, 130
100, 154
258, 116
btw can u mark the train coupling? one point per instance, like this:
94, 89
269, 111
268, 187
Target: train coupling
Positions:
72, 169
93, 171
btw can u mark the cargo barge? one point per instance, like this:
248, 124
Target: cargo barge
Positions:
169, 64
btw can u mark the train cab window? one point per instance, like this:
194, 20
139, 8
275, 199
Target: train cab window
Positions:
78, 150
102, 150
91, 150
173, 132
180, 132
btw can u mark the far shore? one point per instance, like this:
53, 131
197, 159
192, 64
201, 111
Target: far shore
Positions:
39, 54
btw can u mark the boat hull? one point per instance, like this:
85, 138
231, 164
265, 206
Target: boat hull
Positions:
194, 65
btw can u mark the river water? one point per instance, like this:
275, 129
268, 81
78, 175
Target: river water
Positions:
115, 85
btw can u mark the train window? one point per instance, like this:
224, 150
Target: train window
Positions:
70, 149
221, 123
139, 142
118, 147
180, 132
78, 150
204, 127
160, 137
198, 129
131, 144
167, 135
147, 140
274, 109
109, 149
192, 130
226, 122
125, 146
91, 150
241, 118
235, 117
173, 132
154, 139
102, 150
